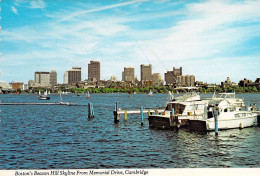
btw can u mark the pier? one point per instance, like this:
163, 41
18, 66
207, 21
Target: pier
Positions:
117, 113
23, 103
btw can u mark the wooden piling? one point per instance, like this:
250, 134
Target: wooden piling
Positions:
90, 111
116, 115
142, 122
149, 112
216, 120
125, 114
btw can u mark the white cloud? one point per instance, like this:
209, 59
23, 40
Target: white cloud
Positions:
205, 33
37, 4
14, 10
78, 13
34, 4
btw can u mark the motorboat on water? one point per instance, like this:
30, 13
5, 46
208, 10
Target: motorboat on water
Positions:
190, 106
229, 116
184, 107
238, 103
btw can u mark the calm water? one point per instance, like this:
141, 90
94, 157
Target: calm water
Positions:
45, 137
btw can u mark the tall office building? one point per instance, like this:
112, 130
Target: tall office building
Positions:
186, 80
66, 77
42, 79
157, 79
94, 71
171, 76
53, 78
72, 76
128, 74
146, 72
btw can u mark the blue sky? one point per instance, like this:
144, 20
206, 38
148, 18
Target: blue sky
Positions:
209, 39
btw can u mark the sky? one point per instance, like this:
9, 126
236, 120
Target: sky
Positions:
212, 39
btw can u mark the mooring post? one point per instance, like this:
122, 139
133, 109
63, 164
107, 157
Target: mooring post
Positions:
125, 114
116, 115
90, 110
142, 114
216, 120
149, 112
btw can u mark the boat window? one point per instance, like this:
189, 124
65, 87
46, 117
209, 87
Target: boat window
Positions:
169, 107
225, 110
236, 115
178, 108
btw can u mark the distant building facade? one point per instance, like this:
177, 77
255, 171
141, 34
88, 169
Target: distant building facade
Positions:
146, 72
186, 80
53, 78
128, 74
42, 79
171, 76
94, 71
72, 76
157, 79
245, 82
17, 85
228, 82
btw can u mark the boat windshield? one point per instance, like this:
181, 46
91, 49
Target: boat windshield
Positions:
178, 108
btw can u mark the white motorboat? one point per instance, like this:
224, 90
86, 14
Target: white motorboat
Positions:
237, 103
185, 107
229, 117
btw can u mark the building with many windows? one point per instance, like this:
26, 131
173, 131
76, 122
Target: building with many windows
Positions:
186, 80
53, 78
171, 76
94, 71
157, 79
72, 76
146, 72
42, 79
128, 74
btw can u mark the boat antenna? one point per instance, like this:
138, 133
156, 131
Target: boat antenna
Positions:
160, 60
145, 56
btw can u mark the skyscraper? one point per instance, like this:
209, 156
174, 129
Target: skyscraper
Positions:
53, 78
94, 71
128, 74
42, 79
72, 76
171, 76
157, 79
146, 72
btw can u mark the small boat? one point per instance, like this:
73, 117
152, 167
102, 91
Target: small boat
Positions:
78, 94
44, 96
88, 95
150, 93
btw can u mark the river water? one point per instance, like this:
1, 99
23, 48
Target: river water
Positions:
62, 137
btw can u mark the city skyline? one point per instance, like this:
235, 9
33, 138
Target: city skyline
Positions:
212, 40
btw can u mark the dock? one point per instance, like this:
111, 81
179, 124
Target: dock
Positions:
25, 103
117, 113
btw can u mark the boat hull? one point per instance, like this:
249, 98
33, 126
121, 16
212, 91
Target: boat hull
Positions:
159, 122
209, 125
43, 98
